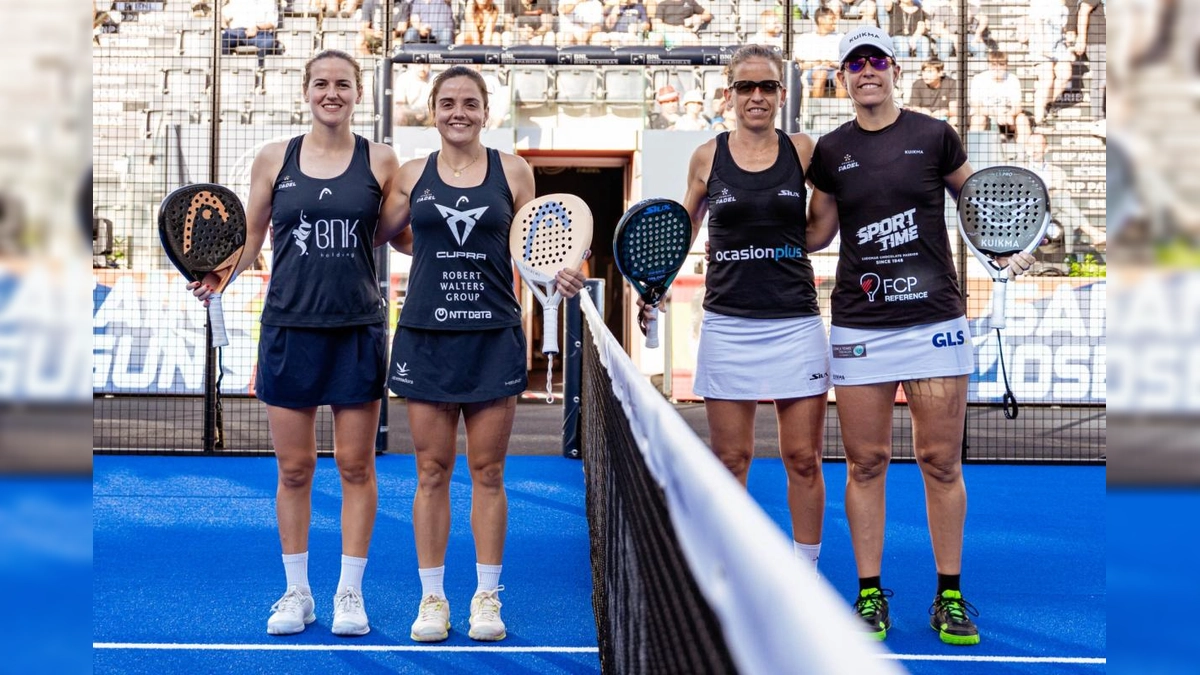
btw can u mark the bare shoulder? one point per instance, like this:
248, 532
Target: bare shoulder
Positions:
804, 145
382, 153
271, 155
410, 172
513, 163
702, 160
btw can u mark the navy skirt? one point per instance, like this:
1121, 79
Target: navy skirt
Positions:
306, 367
458, 366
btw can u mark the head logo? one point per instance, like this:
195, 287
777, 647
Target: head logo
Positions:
300, 234
324, 191
870, 285
467, 219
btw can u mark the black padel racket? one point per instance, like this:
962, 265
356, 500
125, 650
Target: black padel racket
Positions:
650, 245
1002, 210
548, 234
203, 231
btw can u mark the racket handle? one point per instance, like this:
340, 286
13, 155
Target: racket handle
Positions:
216, 319
550, 329
999, 294
652, 329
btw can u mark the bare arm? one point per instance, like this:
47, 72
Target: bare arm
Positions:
397, 231
823, 220
695, 199
386, 168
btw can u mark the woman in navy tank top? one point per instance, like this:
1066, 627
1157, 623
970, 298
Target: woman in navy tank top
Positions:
459, 349
324, 331
898, 318
761, 337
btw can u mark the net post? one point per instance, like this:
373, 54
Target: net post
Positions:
572, 356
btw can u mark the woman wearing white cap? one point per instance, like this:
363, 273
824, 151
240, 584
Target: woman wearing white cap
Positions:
881, 181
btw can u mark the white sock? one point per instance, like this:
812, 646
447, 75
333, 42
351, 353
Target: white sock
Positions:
431, 581
809, 552
489, 577
352, 573
295, 566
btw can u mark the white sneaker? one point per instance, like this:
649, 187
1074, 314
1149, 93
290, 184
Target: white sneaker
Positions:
349, 615
292, 612
433, 620
485, 616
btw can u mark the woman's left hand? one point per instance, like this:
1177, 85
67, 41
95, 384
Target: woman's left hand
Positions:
569, 282
1019, 263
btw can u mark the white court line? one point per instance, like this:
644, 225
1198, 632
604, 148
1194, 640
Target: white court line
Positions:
534, 650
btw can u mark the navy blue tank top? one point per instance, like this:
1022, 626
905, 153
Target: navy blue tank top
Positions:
758, 264
461, 276
322, 231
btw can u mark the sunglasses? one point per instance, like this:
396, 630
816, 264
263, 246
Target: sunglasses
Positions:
856, 65
748, 86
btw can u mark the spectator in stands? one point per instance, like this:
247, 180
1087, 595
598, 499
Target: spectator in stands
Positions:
323, 310
1065, 211
579, 20
531, 22
909, 24
817, 53
626, 22
995, 96
680, 20
1047, 40
723, 118
865, 10
693, 118
935, 93
1091, 44
370, 35
339, 8
250, 23
667, 98
770, 29
412, 96
430, 22
479, 24
942, 26
979, 38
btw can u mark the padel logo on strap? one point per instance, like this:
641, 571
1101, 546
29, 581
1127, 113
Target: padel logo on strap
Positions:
204, 205
455, 218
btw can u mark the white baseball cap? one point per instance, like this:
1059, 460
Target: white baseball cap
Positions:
867, 36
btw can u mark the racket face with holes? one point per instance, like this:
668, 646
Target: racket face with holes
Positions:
1003, 210
651, 244
549, 233
203, 230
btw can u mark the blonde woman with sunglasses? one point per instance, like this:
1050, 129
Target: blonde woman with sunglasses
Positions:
762, 337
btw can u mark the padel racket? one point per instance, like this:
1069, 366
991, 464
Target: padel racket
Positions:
1002, 210
650, 245
548, 234
203, 231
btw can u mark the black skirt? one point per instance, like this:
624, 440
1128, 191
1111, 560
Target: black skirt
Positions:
458, 366
306, 367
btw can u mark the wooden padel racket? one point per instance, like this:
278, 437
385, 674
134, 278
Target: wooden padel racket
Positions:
203, 231
650, 245
1002, 210
548, 234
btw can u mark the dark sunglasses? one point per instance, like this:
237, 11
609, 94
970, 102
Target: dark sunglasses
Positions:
877, 62
748, 86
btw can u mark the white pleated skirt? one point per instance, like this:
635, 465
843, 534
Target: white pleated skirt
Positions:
742, 359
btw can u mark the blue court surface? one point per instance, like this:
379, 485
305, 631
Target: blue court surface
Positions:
186, 566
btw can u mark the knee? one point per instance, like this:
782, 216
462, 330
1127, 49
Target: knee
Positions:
803, 464
357, 471
736, 461
432, 476
944, 468
488, 476
868, 466
297, 474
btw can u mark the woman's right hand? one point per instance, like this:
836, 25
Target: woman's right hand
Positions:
204, 289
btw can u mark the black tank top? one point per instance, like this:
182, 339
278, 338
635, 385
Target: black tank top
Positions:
758, 262
895, 267
322, 231
461, 276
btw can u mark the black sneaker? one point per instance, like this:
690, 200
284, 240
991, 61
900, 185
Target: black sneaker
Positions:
951, 620
872, 607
